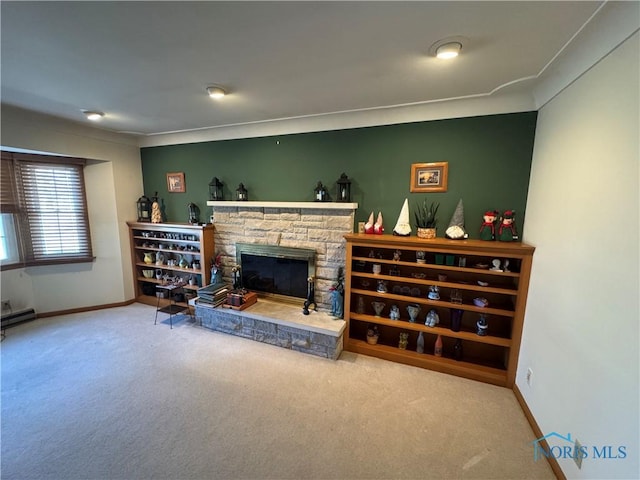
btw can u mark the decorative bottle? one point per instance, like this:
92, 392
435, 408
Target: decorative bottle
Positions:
456, 319
420, 343
438, 348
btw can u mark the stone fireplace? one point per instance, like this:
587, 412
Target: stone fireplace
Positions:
315, 228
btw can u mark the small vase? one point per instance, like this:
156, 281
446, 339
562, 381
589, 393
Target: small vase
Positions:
183, 262
378, 307
148, 258
420, 343
414, 311
426, 233
437, 351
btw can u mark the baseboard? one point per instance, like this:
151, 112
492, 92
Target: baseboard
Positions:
86, 309
553, 463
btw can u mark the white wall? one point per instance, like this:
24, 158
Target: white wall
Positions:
113, 184
581, 331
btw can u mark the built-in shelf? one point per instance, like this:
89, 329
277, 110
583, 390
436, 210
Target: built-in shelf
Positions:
300, 205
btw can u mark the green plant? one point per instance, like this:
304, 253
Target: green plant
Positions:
426, 215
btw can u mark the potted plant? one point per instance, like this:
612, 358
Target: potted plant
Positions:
426, 219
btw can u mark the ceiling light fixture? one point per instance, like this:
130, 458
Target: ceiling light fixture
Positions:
93, 115
216, 92
448, 50
448, 47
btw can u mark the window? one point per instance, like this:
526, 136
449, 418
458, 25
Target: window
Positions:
45, 200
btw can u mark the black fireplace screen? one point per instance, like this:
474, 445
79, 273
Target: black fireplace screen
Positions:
276, 271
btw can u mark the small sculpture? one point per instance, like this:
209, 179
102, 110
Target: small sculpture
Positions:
455, 230
337, 296
404, 340
481, 302
311, 297
394, 314
156, 214
368, 227
396, 255
481, 326
382, 286
488, 227
420, 256
378, 227
495, 265
432, 318
434, 292
505, 265
507, 230
403, 227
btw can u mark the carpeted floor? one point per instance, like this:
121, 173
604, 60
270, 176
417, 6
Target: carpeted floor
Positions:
108, 395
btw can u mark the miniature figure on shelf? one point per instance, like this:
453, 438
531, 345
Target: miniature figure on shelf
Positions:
507, 231
394, 314
372, 334
488, 227
495, 265
434, 292
455, 230
368, 227
404, 341
482, 325
403, 227
156, 214
382, 286
378, 227
432, 318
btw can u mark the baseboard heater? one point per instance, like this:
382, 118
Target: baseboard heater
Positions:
9, 319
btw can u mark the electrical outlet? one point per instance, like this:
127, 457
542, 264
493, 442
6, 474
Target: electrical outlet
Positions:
577, 454
6, 305
529, 375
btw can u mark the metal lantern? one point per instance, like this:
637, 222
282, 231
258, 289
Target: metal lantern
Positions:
320, 193
343, 189
215, 189
144, 209
194, 213
241, 193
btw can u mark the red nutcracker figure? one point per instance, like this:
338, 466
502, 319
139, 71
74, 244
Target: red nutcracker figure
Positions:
507, 231
488, 228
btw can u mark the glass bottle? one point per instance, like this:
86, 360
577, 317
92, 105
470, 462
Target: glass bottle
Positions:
456, 319
438, 347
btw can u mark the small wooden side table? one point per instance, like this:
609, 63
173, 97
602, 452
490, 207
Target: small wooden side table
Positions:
170, 291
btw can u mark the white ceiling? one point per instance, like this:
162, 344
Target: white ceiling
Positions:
147, 64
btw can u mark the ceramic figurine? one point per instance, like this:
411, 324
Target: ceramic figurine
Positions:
396, 255
414, 311
420, 256
507, 230
382, 286
156, 214
378, 227
368, 227
495, 265
394, 314
488, 227
403, 227
432, 318
455, 230
505, 265
404, 340
482, 326
481, 302
420, 343
434, 292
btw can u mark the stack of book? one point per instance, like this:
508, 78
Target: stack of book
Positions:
214, 294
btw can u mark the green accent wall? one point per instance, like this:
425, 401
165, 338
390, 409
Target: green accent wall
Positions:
489, 165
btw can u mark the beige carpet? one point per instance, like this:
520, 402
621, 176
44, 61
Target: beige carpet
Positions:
108, 395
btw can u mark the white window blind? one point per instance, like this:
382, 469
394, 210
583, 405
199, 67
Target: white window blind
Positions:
52, 214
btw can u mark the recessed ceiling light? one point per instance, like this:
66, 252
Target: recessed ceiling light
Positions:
216, 92
447, 48
93, 115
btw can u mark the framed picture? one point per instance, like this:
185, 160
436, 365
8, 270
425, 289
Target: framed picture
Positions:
175, 182
429, 177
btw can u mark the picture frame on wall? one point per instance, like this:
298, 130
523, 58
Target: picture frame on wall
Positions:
429, 177
175, 182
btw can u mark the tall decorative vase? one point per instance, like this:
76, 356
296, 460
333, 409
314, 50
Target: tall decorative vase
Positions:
456, 319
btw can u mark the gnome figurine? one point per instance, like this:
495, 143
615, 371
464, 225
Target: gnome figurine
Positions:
507, 231
488, 228
455, 230
156, 214
378, 227
403, 228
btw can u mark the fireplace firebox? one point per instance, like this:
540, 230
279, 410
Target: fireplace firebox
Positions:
277, 272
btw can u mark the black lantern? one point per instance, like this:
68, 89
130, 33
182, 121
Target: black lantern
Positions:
194, 213
320, 193
241, 193
144, 209
344, 189
215, 189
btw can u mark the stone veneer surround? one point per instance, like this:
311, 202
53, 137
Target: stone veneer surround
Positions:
288, 224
